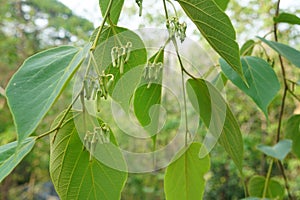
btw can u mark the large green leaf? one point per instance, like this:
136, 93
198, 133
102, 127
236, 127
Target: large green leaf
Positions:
11, 155
263, 83
256, 188
278, 151
147, 96
117, 37
74, 175
287, 18
292, 132
38, 83
286, 51
184, 178
216, 115
216, 27
222, 3
115, 9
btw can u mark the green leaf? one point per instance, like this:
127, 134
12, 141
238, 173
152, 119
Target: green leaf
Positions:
148, 97
247, 48
115, 9
12, 154
278, 151
117, 37
37, 84
184, 178
222, 3
217, 29
286, 51
74, 175
263, 84
287, 18
209, 103
256, 187
292, 132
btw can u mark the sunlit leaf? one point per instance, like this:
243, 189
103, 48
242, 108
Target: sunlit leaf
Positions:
184, 178
286, 51
222, 3
115, 9
292, 132
263, 84
287, 18
256, 187
278, 151
217, 29
38, 83
74, 175
12, 154
208, 101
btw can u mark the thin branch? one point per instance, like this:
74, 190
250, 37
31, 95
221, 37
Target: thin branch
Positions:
293, 94
166, 10
2, 91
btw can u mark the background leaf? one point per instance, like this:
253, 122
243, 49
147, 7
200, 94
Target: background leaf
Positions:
278, 151
286, 51
263, 84
184, 178
217, 29
247, 48
12, 154
256, 188
37, 84
74, 175
287, 18
110, 38
292, 132
115, 9
201, 94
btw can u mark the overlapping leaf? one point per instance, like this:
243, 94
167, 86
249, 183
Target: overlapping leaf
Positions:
262, 81
184, 178
256, 187
247, 48
286, 51
278, 151
115, 9
208, 101
37, 84
74, 175
217, 29
292, 132
12, 154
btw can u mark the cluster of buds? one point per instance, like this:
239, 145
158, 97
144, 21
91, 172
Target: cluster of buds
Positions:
152, 72
100, 134
120, 56
98, 87
176, 28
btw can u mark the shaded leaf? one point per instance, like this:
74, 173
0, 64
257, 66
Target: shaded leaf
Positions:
287, 18
147, 96
263, 84
292, 132
256, 187
217, 29
278, 151
12, 154
211, 106
184, 178
286, 51
74, 175
247, 48
115, 9
38, 83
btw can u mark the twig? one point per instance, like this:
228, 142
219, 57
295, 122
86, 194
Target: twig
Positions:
282, 101
2, 91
